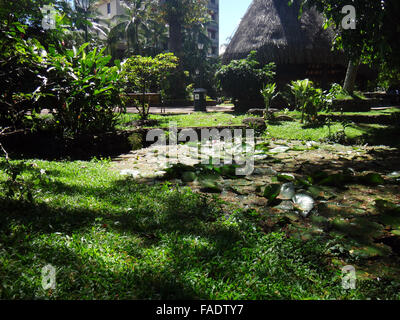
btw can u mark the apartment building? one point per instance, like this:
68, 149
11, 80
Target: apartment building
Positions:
110, 8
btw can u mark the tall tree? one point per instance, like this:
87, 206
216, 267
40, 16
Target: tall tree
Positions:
375, 36
180, 15
132, 23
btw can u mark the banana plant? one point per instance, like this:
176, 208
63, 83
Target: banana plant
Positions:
268, 92
301, 90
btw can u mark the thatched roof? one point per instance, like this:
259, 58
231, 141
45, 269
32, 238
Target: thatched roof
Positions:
272, 28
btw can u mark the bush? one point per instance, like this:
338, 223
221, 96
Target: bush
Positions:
308, 99
141, 74
268, 93
21, 61
83, 91
243, 79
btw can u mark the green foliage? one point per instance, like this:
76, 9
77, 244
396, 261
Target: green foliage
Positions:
374, 39
111, 238
132, 25
243, 79
21, 60
83, 91
141, 74
184, 11
308, 99
268, 93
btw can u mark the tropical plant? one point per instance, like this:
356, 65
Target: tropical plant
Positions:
131, 25
83, 91
374, 40
243, 79
268, 93
307, 98
141, 74
21, 61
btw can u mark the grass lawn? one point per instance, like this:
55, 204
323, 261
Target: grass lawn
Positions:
111, 238
356, 133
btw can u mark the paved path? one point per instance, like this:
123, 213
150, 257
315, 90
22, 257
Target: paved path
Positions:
175, 110
184, 110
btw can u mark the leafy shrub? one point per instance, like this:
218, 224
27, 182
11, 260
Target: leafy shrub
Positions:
243, 79
20, 63
141, 74
83, 91
308, 99
268, 93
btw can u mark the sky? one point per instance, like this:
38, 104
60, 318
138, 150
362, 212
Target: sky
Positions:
230, 14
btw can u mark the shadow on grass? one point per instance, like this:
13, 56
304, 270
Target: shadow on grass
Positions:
388, 136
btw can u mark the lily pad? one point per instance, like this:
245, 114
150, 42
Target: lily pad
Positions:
188, 176
287, 191
304, 203
336, 180
285, 177
372, 179
211, 185
371, 251
271, 192
395, 232
320, 193
389, 213
279, 149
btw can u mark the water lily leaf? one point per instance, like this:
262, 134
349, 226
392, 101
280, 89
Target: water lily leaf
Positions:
285, 177
320, 193
372, 179
188, 176
389, 213
371, 251
271, 192
210, 185
286, 206
395, 232
279, 149
304, 203
228, 171
287, 191
335, 180
308, 181
394, 175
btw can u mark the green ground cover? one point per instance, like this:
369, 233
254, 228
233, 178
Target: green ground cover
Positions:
112, 238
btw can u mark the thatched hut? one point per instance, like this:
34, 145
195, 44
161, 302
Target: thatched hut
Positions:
301, 48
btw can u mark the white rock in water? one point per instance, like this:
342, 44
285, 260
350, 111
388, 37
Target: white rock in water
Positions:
287, 191
304, 202
128, 172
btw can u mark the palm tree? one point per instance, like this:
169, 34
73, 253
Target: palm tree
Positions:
130, 25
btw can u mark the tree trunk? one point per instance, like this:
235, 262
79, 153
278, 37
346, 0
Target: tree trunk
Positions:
351, 76
175, 37
175, 46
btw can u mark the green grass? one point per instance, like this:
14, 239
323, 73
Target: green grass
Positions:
360, 133
188, 120
111, 238
297, 131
